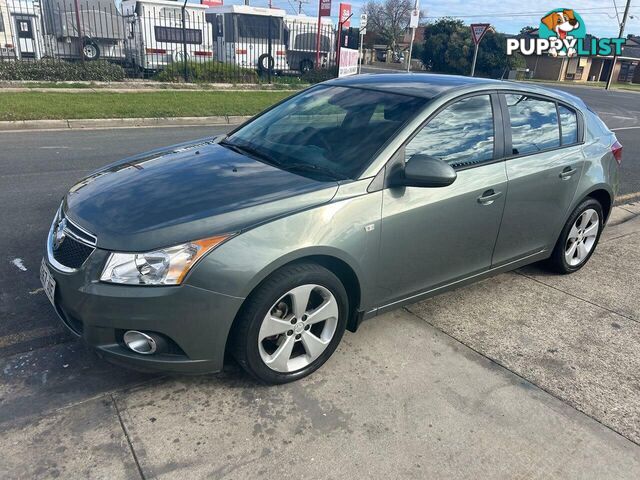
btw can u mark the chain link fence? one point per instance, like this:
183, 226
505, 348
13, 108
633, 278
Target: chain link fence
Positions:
161, 39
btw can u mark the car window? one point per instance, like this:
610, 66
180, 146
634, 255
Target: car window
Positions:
461, 134
569, 125
534, 124
327, 131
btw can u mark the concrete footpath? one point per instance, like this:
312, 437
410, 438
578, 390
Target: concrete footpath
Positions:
526, 375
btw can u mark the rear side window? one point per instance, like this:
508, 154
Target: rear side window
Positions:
534, 124
568, 125
461, 134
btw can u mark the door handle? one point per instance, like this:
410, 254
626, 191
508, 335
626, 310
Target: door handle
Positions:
567, 173
489, 196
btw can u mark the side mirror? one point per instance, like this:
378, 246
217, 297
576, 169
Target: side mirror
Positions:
426, 171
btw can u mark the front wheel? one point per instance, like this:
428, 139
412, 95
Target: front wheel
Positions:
291, 324
579, 237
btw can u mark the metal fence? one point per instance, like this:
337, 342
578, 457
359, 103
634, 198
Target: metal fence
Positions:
153, 38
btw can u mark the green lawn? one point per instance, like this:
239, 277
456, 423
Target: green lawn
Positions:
54, 105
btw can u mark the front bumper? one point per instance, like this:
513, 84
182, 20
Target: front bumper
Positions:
195, 320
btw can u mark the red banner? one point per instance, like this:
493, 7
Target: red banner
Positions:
325, 8
212, 3
345, 14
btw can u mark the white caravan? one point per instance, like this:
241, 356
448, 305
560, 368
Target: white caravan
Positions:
7, 45
22, 33
157, 34
97, 30
250, 37
301, 39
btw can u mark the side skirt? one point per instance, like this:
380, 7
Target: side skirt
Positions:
535, 257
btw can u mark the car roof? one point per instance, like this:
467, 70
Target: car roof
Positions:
426, 85
429, 85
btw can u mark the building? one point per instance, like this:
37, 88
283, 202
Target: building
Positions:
588, 69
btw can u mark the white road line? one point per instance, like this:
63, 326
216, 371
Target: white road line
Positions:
19, 263
624, 128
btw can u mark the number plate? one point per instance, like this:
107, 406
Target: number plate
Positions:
48, 283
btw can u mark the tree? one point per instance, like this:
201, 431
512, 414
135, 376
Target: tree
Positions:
527, 30
448, 48
388, 19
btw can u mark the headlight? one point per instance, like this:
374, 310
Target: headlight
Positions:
167, 266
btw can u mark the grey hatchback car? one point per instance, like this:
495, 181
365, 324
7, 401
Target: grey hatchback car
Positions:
346, 200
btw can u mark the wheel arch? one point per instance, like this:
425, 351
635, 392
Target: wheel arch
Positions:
605, 198
333, 262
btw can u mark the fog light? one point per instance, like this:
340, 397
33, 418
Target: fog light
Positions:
140, 342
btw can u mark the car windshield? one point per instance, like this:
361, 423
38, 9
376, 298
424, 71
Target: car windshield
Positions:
326, 132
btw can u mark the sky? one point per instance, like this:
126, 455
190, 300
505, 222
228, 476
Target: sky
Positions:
507, 16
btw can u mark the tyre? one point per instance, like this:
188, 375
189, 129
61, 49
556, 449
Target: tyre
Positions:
265, 63
579, 237
306, 66
90, 50
291, 324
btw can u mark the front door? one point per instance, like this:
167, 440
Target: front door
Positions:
434, 236
26, 39
543, 171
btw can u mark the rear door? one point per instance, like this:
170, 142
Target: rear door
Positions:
434, 236
544, 168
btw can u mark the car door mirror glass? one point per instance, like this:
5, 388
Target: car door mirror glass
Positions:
426, 171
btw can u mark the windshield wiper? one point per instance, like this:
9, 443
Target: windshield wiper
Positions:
253, 152
260, 155
313, 168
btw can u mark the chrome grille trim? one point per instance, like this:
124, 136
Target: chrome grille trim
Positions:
75, 232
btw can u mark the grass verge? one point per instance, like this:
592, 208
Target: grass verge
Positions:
53, 105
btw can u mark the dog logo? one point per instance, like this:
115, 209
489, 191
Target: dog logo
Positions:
564, 25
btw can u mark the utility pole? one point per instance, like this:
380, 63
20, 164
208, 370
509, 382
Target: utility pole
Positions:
620, 35
184, 41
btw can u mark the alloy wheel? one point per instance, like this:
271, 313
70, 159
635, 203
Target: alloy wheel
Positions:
582, 237
298, 328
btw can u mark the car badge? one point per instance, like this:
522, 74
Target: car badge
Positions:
59, 234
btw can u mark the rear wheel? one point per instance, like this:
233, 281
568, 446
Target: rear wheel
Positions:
265, 63
579, 237
90, 50
291, 324
306, 66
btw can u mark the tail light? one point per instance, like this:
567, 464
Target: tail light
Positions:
203, 54
616, 149
156, 50
281, 53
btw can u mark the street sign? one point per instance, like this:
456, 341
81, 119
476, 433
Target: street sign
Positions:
345, 14
363, 21
325, 8
478, 30
415, 18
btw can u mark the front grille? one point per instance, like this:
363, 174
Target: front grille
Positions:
71, 253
